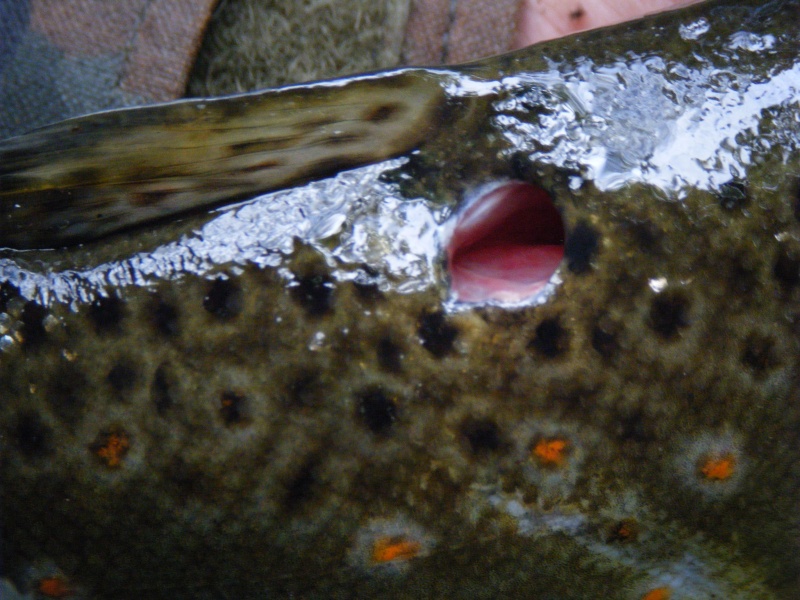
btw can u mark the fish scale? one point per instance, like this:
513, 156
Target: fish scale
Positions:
284, 397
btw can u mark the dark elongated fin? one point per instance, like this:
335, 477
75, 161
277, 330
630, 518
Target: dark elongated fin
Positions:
90, 176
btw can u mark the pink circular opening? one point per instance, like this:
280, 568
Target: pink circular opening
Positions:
506, 245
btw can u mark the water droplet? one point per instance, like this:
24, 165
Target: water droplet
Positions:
751, 42
657, 284
317, 342
49, 323
6, 342
5, 322
694, 30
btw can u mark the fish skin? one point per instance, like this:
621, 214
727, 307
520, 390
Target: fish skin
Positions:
192, 433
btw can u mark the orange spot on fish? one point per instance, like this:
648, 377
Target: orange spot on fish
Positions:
551, 452
111, 447
389, 549
55, 587
718, 468
662, 593
624, 531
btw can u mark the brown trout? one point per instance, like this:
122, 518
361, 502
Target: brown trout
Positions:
524, 327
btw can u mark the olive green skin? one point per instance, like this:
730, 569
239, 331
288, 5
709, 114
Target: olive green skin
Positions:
259, 463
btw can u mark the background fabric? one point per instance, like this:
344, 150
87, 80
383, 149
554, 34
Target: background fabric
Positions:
63, 58
445, 32
255, 44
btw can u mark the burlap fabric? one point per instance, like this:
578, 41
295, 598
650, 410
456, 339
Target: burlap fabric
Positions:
446, 32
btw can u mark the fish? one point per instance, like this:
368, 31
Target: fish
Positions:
526, 326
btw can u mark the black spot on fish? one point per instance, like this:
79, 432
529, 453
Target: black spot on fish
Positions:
50, 197
580, 248
382, 112
377, 411
759, 353
264, 165
33, 332
550, 339
436, 334
165, 318
299, 489
604, 340
106, 314
632, 427
66, 393
7, 292
369, 292
145, 199
314, 293
264, 145
733, 195
160, 390
122, 378
32, 436
669, 313
390, 355
223, 299
82, 175
482, 436
366, 285
233, 408
787, 268
520, 165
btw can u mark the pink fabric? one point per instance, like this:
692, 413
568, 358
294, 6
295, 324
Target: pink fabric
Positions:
164, 48
87, 27
481, 29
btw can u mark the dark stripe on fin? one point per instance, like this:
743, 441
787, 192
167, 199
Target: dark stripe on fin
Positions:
88, 177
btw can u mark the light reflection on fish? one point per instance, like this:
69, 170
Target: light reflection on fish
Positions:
304, 394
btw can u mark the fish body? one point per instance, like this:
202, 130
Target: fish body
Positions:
287, 398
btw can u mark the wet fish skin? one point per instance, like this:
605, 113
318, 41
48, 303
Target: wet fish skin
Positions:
91, 176
247, 430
